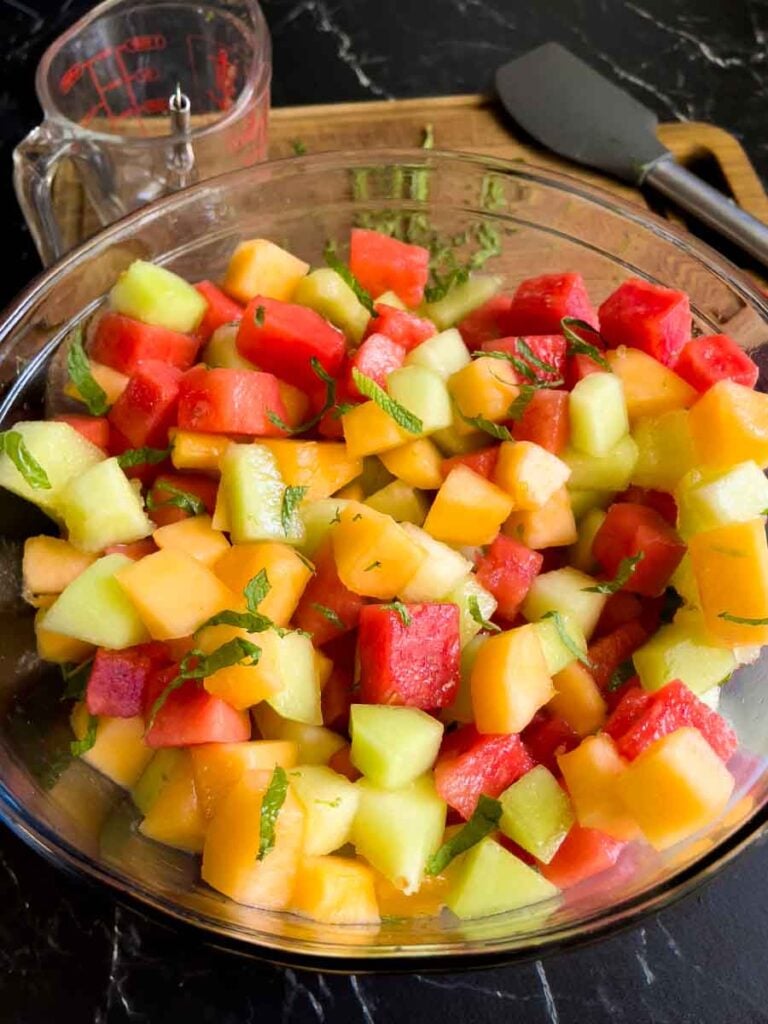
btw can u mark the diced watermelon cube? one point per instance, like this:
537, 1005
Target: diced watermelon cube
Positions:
327, 608
93, 428
514, 848
383, 264
482, 462
706, 360
135, 550
228, 401
470, 764
484, 323
619, 608
118, 678
147, 408
507, 570
549, 349
661, 501
221, 309
636, 724
336, 698
415, 664
191, 715
584, 853
546, 736
545, 421
540, 303
649, 317
124, 343
629, 530
634, 702
377, 357
400, 326
163, 509
284, 338
607, 653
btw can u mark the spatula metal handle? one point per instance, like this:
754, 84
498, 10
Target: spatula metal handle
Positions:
670, 178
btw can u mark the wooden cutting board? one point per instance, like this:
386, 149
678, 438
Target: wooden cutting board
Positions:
467, 123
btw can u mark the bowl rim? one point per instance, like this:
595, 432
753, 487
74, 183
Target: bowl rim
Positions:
399, 956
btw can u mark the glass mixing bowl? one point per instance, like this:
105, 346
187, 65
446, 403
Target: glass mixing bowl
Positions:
545, 222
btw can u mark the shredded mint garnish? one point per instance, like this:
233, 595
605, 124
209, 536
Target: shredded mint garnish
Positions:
485, 819
330, 401
621, 675
474, 610
271, 804
402, 416
330, 614
399, 608
566, 638
79, 368
143, 457
333, 261
258, 316
576, 344
625, 570
189, 503
497, 430
298, 147
292, 498
80, 747
741, 620
15, 448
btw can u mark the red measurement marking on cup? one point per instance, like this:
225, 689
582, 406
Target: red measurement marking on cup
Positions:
143, 44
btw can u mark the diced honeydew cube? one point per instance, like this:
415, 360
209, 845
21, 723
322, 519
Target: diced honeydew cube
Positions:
536, 813
254, 493
443, 354
462, 595
398, 830
583, 502
328, 294
610, 472
393, 746
330, 803
319, 517
709, 499
157, 296
441, 571
462, 299
490, 880
101, 508
404, 503
664, 450
580, 553
557, 653
565, 591
424, 394
598, 413
683, 650
299, 699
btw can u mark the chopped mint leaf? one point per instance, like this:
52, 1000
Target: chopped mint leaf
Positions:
429, 137
474, 610
399, 608
189, 503
521, 403
625, 570
485, 819
373, 565
15, 448
298, 147
402, 416
532, 359
271, 803
256, 589
333, 261
330, 614
79, 368
143, 457
292, 498
258, 316
741, 620
497, 430
566, 639
621, 675
76, 679
492, 193
80, 747
576, 344
330, 401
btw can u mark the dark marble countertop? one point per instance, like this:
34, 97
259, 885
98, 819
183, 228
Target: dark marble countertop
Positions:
67, 951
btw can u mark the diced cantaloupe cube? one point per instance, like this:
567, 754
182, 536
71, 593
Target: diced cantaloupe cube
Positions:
335, 890
243, 686
112, 382
50, 564
650, 388
730, 565
323, 467
368, 430
173, 593
374, 555
352, 492
119, 752
592, 772
427, 902
486, 387
578, 700
230, 854
218, 766
286, 571
551, 526
468, 509
196, 536
729, 424
259, 267
675, 787
418, 463
529, 473
509, 681
200, 452
175, 817
400, 501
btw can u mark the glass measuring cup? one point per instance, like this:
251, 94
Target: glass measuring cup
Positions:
139, 99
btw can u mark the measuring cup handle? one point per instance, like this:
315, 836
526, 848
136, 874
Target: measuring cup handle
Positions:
34, 165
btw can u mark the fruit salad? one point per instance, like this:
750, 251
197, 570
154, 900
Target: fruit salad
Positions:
387, 595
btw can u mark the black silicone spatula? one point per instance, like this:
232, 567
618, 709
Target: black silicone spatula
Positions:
571, 109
